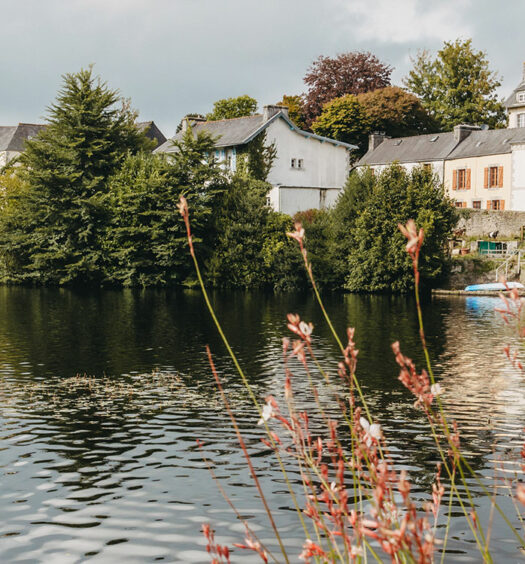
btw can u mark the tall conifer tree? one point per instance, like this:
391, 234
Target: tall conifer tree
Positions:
56, 232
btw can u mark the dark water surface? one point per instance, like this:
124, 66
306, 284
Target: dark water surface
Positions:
105, 467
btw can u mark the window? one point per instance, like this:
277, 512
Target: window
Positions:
229, 162
476, 204
299, 163
427, 167
520, 96
292, 163
460, 204
493, 177
461, 179
496, 204
268, 201
521, 120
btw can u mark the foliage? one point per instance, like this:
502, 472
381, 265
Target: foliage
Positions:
378, 262
55, 233
255, 159
229, 108
145, 242
457, 86
347, 73
295, 109
396, 112
346, 120
250, 243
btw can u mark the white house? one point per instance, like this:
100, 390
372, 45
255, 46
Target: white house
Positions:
309, 170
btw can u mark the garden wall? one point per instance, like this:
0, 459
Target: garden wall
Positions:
479, 223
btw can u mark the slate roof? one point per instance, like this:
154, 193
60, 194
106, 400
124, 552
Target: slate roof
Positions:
418, 148
239, 131
152, 132
511, 101
489, 142
13, 138
421, 148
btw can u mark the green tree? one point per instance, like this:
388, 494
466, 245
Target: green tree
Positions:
378, 261
61, 217
346, 120
251, 249
256, 158
146, 240
457, 86
396, 112
229, 108
295, 110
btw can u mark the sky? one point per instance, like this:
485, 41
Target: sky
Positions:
173, 57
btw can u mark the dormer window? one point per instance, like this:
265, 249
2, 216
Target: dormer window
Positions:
520, 97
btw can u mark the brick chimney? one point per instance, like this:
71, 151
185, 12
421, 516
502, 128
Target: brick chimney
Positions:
375, 139
463, 130
270, 111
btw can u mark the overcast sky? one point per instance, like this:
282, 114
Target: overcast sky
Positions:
172, 57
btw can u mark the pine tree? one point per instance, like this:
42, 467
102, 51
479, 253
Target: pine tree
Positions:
57, 234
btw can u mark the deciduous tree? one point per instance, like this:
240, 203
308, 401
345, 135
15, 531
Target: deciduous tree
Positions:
396, 112
346, 120
233, 108
457, 86
295, 109
347, 73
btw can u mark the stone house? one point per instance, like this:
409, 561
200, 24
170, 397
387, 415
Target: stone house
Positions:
309, 170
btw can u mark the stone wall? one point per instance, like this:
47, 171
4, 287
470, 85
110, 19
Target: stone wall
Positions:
479, 223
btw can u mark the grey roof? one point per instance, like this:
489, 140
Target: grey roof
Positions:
152, 132
418, 148
239, 131
12, 138
489, 142
511, 101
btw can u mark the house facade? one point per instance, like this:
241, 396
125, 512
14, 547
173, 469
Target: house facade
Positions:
309, 171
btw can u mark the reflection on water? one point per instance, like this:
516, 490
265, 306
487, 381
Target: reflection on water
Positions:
104, 466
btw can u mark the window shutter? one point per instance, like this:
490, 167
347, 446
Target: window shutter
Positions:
489, 204
454, 180
468, 179
486, 177
500, 177
502, 204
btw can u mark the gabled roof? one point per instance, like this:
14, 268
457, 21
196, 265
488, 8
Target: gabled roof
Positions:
488, 142
415, 149
421, 148
239, 131
152, 132
13, 138
512, 101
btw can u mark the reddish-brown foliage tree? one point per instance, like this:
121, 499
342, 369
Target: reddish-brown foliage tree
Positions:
348, 73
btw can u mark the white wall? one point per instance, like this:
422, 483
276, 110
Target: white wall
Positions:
292, 200
517, 195
437, 167
325, 164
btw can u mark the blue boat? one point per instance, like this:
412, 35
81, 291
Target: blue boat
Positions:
494, 287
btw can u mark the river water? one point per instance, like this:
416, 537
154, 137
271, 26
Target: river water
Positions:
103, 395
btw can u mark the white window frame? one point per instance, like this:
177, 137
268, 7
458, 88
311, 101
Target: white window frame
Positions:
292, 163
520, 119
520, 97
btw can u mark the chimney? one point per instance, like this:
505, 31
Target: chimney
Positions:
270, 111
375, 139
190, 120
463, 130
